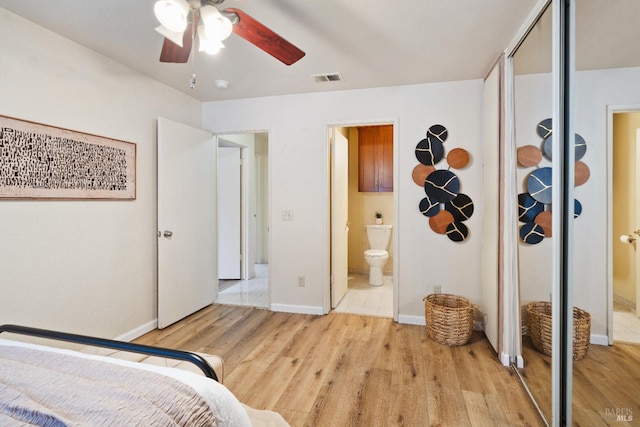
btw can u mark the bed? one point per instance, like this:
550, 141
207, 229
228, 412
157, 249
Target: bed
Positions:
109, 382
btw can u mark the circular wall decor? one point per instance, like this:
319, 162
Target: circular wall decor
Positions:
429, 151
582, 173
442, 185
461, 207
580, 147
534, 207
529, 156
457, 231
539, 185
440, 221
528, 207
544, 128
458, 158
531, 233
429, 208
438, 132
543, 219
420, 173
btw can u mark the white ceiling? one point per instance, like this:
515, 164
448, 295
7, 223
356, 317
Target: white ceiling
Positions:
372, 43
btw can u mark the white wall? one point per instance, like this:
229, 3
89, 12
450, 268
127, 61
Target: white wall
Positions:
595, 90
297, 128
82, 266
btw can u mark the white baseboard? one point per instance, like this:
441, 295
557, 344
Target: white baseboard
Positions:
412, 320
138, 332
599, 339
300, 309
624, 301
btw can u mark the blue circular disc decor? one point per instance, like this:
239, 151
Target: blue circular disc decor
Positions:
457, 231
461, 207
528, 207
429, 151
577, 208
438, 133
580, 147
539, 185
428, 207
442, 186
544, 128
531, 233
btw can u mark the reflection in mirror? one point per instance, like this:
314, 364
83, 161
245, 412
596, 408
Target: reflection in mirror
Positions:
607, 115
243, 221
533, 108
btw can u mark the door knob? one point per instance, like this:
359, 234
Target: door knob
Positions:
167, 233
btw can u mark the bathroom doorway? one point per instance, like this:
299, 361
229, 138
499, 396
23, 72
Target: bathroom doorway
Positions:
352, 207
625, 227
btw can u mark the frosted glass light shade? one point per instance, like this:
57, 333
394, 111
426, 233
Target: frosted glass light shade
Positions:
215, 25
207, 44
172, 14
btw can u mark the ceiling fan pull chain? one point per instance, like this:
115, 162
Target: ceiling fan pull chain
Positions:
192, 81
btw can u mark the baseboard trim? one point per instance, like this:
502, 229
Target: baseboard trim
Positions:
599, 339
300, 309
411, 320
139, 331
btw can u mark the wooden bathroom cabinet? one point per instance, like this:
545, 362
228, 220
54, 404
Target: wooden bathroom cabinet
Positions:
375, 158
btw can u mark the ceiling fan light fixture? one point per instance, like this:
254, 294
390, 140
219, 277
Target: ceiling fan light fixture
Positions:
174, 36
172, 14
215, 24
208, 44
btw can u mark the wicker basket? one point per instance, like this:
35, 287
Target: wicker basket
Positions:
449, 318
539, 316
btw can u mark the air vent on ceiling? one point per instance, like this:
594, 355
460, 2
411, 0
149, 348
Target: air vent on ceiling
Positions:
327, 77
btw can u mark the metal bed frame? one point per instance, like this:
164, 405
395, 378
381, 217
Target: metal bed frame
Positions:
187, 356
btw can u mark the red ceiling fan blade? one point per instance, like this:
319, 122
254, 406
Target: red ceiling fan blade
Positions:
171, 52
264, 38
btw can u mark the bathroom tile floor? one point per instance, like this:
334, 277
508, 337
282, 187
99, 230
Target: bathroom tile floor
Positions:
626, 325
252, 292
362, 298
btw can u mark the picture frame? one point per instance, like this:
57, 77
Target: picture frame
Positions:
39, 161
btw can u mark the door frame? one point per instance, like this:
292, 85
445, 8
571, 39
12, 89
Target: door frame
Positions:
247, 270
611, 110
326, 275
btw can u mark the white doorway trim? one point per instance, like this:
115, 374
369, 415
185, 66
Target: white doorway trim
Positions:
326, 275
611, 110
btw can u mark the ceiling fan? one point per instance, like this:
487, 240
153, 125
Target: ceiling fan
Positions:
181, 20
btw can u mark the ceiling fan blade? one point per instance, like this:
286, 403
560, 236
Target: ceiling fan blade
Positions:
171, 52
264, 38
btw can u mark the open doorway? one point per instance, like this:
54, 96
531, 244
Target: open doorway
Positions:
362, 159
243, 221
626, 226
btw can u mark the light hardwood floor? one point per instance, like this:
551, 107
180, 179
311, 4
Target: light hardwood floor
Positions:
605, 383
349, 370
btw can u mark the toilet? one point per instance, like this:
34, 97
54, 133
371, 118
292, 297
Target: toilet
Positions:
376, 256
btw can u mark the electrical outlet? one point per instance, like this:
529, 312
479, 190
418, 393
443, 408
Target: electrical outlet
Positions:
437, 289
287, 215
301, 281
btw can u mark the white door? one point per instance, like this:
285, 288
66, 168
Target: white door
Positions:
229, 213
637, 224
187, 265
339, 216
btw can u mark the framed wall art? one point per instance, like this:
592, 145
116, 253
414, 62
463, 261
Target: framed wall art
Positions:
46, 162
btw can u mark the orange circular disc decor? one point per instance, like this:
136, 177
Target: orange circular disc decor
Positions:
582, 173
529, 156
441, 221
543, 219
458, 158
420, 173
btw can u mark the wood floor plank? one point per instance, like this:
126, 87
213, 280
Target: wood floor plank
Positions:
347, 370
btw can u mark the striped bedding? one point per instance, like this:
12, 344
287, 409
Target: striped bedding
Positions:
52, 387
